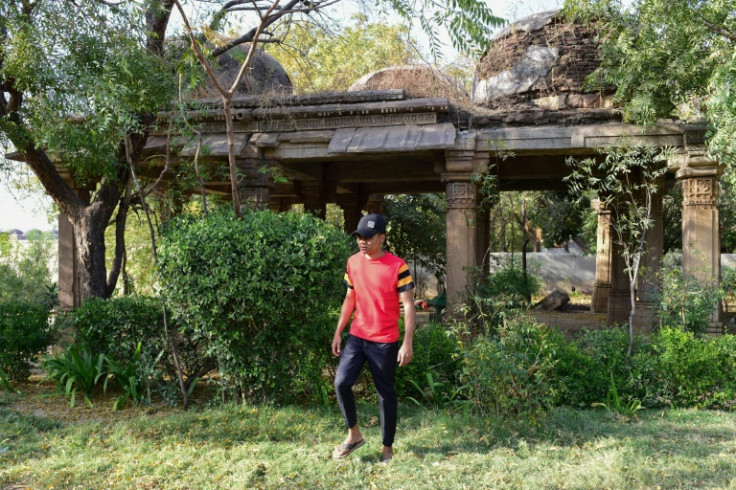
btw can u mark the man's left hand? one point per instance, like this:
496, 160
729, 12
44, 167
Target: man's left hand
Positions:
405, 354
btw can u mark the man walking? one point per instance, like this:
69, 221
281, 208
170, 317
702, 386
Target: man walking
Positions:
376, 282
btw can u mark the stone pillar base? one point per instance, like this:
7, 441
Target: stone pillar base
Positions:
619, 306
645, 317
599, 300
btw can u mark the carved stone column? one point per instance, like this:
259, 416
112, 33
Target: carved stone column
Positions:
70, 293
603, 260
701, 238
465, 231
255, 183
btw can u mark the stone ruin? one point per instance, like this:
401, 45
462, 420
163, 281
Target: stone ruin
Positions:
541, 60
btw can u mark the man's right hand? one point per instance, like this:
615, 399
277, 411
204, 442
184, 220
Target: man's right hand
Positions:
337, 344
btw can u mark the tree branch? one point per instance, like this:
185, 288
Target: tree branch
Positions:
719, 29
251, 35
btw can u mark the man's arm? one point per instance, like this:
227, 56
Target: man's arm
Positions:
348, 306
406, 352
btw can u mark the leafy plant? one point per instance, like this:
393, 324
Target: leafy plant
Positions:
615, 404
498, 297
74, 370
632, 176
5, 383
127, 377
25, 332
685, 301
118, 326
511, 372
438, 395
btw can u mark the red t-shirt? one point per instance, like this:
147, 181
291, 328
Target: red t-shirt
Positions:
377, 284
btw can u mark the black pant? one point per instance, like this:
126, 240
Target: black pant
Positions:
382, 361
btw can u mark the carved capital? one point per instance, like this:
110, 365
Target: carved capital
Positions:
460, 195
700, 191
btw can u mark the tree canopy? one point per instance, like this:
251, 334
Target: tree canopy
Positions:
670, 58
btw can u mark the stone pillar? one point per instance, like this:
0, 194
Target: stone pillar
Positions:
254, 185
603, 260
375, 204
465, 231
619, 298
351, 211
701, 238
649, 285
69, 294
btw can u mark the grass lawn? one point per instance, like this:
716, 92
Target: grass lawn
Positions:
44, 444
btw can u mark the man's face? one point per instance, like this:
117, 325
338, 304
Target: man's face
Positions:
371, 246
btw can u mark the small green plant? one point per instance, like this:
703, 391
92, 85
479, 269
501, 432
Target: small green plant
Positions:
73, 370
5, 384
127, 377
614, 403
437, 394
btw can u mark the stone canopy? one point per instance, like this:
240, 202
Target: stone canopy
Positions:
529, 115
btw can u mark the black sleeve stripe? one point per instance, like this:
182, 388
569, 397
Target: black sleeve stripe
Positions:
347, 284
404, 274
406, 287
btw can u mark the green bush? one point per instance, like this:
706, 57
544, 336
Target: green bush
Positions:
511, 373
436, 352
25, 332
263, 293
684, 370
115, 327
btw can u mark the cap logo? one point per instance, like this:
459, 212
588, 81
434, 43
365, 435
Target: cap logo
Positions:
371, 224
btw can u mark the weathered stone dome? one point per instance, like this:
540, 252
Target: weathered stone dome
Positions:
264, 76
418, 81
541, 59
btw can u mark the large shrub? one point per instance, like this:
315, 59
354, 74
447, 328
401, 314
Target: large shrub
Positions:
263, 292
684, 370
510, 373
25, 332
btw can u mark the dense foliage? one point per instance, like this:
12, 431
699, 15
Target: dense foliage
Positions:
26, 332
669, 58
510, 372
261, 294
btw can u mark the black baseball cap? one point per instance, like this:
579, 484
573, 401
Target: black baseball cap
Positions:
369, 225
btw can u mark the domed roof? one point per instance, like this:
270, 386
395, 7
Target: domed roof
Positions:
418, 81
264, 75
541, 59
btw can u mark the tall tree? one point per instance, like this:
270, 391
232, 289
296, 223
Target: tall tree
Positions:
73, 81
670, 58
80, 78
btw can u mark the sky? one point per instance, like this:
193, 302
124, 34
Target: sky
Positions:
27, 212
